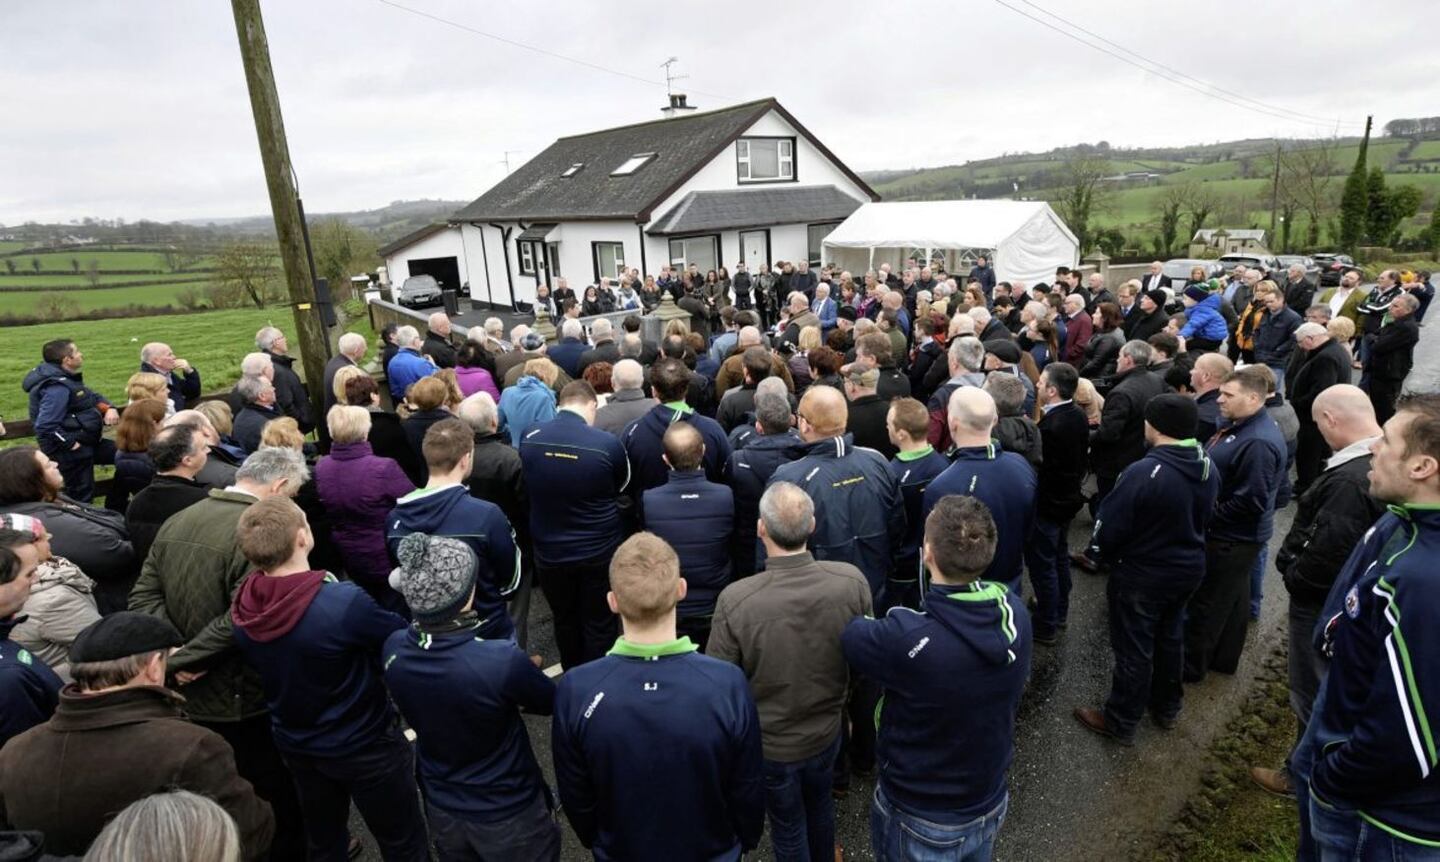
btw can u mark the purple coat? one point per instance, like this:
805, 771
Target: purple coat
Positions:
472, 380
359, 488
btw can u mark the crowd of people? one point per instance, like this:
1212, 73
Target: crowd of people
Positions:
782, 547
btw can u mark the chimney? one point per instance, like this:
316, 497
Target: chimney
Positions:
677, 106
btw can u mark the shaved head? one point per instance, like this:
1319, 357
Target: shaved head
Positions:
749, 337
972, 416
824, 412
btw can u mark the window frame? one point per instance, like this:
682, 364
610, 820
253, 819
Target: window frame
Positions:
820, 248
571, 171
640, 160
683, 262
744, 164
595, 248
523, 249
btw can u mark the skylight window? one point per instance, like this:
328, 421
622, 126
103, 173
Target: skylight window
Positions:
632, 164
573, 169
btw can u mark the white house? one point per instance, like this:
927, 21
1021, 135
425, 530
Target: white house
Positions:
746, 182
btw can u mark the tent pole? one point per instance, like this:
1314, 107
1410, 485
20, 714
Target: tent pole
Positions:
871, 264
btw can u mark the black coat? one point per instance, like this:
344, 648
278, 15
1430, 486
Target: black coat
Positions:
496, 477
893, 384
1298, 296
866, 423
1064, 441
1392, 349
1150, 283
92, 538
925, 358
1139, 326
153, 506
1101, 353
415, 425
250, 424
290, 394
388, 440
1020, 434
1332, 517
1312, 372
438, 348
1120, 439
605, 351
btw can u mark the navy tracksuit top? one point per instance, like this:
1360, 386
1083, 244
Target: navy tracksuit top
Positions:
644, 445
914, 474
1006, 484
575, 475
657, 754
697, 518
1251, 457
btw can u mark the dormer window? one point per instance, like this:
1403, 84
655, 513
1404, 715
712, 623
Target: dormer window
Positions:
573, 169
632, 164
765, 160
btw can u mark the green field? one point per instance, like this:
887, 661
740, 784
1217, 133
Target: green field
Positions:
214, 342
152, 295
1426, 150
60, 260
70, 279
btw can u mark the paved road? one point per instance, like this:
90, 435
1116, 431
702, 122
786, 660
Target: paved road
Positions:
1073, 794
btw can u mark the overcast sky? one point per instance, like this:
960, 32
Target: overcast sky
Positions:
138, 108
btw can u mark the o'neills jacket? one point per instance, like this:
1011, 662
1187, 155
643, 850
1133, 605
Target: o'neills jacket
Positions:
643, 441
951, 678
463, 696
589, 465
657, 755
1251, 457
316, 644
1372, 738
1151, 526
1004, 482
913, 472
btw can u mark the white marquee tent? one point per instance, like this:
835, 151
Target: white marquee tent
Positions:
1024, 239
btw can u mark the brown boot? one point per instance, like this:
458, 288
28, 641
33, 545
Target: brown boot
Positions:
1274, 781
1094, 720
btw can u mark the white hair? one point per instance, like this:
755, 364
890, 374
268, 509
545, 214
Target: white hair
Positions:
438, 317
267, 336
494, 326
255, 364
602, 328
252, 387
627, 374
351, 343
149, 350
980, 314
406, 336
518, 332
571, 328
478, 411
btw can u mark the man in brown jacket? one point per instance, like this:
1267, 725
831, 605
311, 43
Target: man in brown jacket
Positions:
782, 627
732, 370
118, 736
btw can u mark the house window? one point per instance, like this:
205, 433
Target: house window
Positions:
632, 164
609, 259
573, 169
703, 251
553, 251
526, 253
765, 160
815, 235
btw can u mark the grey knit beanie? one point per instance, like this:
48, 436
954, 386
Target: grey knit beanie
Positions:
436, 576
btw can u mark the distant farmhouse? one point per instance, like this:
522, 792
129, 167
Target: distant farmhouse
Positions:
1217, 241
747, 182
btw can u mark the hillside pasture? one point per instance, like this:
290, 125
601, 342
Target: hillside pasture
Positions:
151, 295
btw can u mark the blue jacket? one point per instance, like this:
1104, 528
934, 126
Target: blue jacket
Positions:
63, 410
644, 441
1203, 320
1251, 458
657, 754
29, 689
523, 406
756, 458
859, 515
582, 524
1275, 337
951, 678
827, 311
250, 422
405, 368
453, 513
914, 473
566, 354
1371, 742
1004, 482
316, 644
183, 387
1151, 526
463, 696
697, 517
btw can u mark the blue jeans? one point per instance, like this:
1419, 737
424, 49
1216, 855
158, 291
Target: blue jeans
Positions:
1047, 556
800, 807
1341, 835
1257, 581
1279, 372
896, 836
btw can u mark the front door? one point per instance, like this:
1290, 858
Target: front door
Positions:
755, 248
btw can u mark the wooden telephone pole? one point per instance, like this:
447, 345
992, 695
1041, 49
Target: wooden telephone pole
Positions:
284, 201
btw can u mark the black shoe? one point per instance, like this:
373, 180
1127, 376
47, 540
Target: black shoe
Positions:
1044, 639
1163, 722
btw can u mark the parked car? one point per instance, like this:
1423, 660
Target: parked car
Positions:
1265, 262
1332, 266
1178, 269
1312, 270
419, 291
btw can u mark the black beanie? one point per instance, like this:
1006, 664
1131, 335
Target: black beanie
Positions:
1158, 296
1172, 415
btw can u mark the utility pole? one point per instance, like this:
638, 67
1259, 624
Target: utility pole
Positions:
284, 201
1275, 191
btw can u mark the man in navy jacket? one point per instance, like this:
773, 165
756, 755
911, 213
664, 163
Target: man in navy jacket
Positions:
29, 689
463, 694
657, 747
1250, 454
952, 676
69, 418
1151, 530
577, 527
696, 517
316, 644
445, 507
759, 451
914, 467
1367, 771
1064, 444
1003, 481
643, 438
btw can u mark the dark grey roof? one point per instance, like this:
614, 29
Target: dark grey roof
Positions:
411, 238
682, 146
536, 231
700, 212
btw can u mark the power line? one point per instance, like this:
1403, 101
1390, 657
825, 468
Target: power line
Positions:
1160, 71
1299, 115
538, 50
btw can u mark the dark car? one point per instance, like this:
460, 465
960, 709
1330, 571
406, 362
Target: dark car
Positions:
419, 291
1332, 266
1312, 270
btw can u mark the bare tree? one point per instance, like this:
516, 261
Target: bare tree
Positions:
55, 306
75, 265
1201, 202
35, 264
1083, 194
10, 265
247, 268
1307, 180
92, 272
1171, 203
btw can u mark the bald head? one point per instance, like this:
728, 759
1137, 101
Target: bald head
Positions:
823, 413
1209, 370
972, 416
684, 447
1344, 415
749, 337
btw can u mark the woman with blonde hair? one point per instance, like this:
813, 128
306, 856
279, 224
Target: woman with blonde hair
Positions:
1087, 399
147, 386
428, 396
178, 826
282, 433
342, 377
454, 394
1342, 329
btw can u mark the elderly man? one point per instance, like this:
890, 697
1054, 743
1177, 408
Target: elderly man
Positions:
258, 396
1205, 377
602, 334
1099, 293
184, 381
408, 365
1298, 290
798, 317
1078, 329
629, 402
1319, 313
824, 308
514, 355
1391, 352
350, 350
437, 344
290, 392
965, 360
1156, 277
1320, 363
567, 351
732, 370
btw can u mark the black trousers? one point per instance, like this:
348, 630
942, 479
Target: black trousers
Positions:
1383, 395
258, 761
1219, 611
1310, 454
1147, 634
584, 627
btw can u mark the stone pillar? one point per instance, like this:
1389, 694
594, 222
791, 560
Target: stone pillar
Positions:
1101, 261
